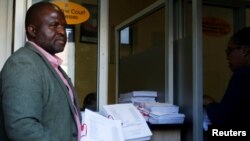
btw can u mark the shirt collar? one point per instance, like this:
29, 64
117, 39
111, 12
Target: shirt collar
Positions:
54, 60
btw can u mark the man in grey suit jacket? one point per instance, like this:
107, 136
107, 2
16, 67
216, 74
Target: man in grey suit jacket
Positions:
37, 99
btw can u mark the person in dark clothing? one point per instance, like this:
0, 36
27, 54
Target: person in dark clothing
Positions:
90, 102
233, 110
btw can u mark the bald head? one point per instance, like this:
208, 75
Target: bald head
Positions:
35, 12
45, 26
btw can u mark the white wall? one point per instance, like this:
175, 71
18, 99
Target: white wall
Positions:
6, 14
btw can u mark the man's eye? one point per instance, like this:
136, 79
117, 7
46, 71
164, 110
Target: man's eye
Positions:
54, 24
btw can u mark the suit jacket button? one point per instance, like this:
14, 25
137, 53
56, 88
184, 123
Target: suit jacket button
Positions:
74, 134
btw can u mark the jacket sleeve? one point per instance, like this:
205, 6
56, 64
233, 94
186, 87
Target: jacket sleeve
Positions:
22, 101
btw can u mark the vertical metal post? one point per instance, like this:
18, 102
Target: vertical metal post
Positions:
102, 71
197, 69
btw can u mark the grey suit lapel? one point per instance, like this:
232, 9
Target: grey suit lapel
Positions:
53, 71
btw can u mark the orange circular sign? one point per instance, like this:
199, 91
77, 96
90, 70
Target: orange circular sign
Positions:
214, 26
74, 13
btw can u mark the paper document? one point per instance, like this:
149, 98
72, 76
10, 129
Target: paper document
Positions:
134, 125
100, 128
139, 94
161, 107
166, 118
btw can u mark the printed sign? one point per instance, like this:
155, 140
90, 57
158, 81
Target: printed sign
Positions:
73, 12
214, 26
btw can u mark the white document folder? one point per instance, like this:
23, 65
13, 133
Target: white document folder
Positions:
134, 126
100, 128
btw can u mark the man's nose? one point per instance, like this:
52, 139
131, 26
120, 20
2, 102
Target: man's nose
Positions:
61, 30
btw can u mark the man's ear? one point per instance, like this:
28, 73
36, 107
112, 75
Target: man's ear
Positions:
31, 30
